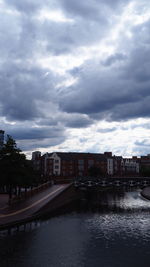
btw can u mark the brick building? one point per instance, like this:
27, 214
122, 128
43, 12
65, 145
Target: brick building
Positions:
68, 165
145, 161
71, 164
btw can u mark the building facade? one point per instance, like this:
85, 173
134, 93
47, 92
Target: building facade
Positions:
69, 165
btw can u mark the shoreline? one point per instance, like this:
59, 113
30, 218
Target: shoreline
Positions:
146, 193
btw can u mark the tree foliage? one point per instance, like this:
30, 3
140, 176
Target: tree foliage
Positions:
145, 171
94, 171
15, 169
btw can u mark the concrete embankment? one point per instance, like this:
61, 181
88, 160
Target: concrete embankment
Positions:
56, 204
45, 203
146, 193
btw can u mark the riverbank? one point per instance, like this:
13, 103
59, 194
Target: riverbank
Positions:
31, 208
146, 193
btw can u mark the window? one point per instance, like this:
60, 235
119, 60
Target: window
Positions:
56, 166
81, 167
90, 162
81, 161
56, 161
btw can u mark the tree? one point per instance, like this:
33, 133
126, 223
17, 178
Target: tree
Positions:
145, 171
14, 167
94, 171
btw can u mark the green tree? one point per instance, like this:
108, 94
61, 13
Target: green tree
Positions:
94, 171
145, 171
14, 167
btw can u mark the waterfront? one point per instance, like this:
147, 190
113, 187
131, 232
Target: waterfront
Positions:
111, 230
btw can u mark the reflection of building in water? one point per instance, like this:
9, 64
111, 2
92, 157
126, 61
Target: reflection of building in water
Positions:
1, 138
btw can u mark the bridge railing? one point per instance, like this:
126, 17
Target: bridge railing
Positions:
130, 181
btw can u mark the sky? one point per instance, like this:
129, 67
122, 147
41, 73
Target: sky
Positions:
75, 75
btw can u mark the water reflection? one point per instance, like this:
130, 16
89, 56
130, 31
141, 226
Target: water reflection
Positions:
108, 229
116, 200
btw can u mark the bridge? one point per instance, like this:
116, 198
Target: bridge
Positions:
89, 182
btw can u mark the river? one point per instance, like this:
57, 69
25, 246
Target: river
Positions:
112, 229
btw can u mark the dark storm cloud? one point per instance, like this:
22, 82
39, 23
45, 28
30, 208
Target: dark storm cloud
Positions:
119, 92
78, 121
90, 22
36, 133
21, 83
66, 120
114, 88
22, 90
48, 121
31, 137
34, 144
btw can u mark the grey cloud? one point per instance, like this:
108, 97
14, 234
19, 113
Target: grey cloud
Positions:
64, 38
22, 88
48, 121
26, 6
36, 133
113, 59
37, 144
78, 121
126, 111
114, 88
83, 140
84, 9
107, 130
59, 38
141, 147
91, 9
30, 137
142, 143
120, 92
96, 92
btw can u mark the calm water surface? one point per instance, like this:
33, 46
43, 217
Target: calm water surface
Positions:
112, 230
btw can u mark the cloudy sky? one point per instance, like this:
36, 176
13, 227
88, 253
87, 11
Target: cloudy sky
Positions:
75, 75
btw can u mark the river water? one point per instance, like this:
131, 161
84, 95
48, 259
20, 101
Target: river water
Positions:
112, 229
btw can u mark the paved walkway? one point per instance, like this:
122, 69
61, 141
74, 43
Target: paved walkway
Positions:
146, 192
26, 208
3, 201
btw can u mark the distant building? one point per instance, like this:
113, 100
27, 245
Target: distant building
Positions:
130, 166
1, 138
145, 161
36, 159
68, 165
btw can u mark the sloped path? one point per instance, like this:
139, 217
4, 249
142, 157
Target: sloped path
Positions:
146, 192
26, 209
